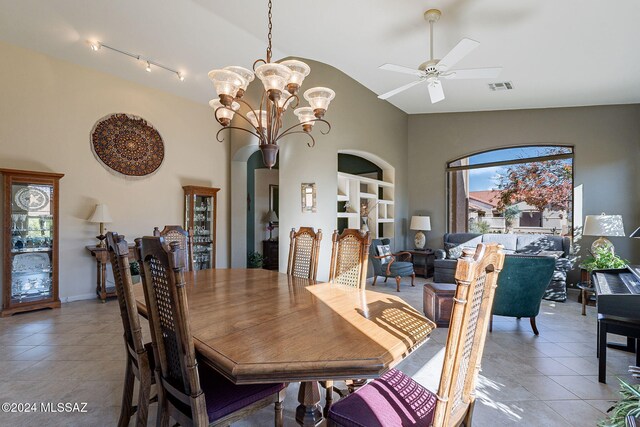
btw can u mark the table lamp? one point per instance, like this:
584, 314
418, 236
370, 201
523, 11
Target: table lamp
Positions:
101, 215
420, 224
272, 219
603, 225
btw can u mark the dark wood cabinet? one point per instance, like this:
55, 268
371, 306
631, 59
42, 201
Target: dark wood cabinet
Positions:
422, 261
270, 253
30, 240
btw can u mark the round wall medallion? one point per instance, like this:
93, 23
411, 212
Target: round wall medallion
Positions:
127, 144
31, 198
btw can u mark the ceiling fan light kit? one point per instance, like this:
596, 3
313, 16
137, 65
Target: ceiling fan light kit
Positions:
281, 83
433, 70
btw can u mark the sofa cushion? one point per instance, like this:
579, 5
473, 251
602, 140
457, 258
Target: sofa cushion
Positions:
401, 268
534, 243
468, 239
508, 241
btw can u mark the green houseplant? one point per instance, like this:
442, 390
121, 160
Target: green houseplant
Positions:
628, 405
255, 260
603, 259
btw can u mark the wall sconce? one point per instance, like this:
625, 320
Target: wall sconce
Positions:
308, 192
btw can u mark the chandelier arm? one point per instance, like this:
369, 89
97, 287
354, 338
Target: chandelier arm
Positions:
310, 144
276, 122
288, 131
258, 61
237, 128
258, 130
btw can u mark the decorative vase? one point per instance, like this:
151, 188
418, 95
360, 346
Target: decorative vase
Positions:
364, 227
420, 240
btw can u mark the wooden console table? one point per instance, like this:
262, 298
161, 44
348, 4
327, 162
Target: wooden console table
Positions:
102, 259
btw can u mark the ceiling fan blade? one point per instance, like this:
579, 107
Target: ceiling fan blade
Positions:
462, 49
401, 69
435, 92
473, 73
400, 89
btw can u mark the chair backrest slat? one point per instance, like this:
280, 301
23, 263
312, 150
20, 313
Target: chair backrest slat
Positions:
175, 233
349, 257
119, 256
304, 249
169, 316
476, 278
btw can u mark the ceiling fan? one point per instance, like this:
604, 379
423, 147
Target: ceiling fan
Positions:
435, 69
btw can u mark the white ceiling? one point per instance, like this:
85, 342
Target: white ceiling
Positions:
556, 53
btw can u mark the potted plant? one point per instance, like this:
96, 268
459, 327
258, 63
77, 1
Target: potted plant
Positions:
603, 259
628, 406
255, 260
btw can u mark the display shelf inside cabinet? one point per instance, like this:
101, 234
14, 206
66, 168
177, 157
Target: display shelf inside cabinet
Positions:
30, 240
200, 211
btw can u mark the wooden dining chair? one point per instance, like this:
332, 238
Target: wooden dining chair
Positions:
191, 393
304, 249
395, 399
349, 257
140, 361
175, 233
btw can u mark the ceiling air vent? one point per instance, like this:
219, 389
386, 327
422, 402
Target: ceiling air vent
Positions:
501, 86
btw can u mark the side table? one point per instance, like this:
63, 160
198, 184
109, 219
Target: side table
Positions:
422, 261
102, 259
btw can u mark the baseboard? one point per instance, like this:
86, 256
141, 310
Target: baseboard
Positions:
78, 297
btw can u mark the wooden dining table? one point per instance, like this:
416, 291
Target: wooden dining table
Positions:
260, 326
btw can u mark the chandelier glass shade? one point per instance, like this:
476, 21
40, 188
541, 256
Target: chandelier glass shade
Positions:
281, 84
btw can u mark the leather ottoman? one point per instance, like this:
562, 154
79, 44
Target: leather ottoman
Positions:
438, 302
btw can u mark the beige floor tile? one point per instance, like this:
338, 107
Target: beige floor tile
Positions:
585, 388
577, 412
544, 388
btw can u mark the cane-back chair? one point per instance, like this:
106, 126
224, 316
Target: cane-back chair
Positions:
304, 249
175, 233
190, 393
349, 257
140, 361
395, 399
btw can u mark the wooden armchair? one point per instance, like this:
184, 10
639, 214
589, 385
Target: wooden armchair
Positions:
175, 233
395, 399
140, 361
303, 253
396, 265
190, 393
349, 257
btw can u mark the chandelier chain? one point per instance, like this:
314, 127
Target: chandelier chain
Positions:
269, 35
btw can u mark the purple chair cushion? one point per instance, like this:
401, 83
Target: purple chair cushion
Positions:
392, 400
223, 397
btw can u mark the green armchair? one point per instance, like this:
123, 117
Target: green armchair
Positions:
521, 286
396, 265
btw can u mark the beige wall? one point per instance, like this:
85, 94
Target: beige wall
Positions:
607, 157
48, 108
359, 121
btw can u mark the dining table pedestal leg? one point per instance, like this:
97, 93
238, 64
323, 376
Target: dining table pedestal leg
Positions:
309, 412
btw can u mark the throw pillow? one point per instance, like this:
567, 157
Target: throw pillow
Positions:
385, 251
454, 251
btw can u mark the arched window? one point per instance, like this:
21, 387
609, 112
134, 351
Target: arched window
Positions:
525, 189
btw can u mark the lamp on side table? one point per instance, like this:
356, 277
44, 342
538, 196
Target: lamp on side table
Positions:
102, 216
420, 224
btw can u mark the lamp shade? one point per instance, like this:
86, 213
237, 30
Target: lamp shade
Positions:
272, 216
101, 214
603, 225
636, 233
420, 223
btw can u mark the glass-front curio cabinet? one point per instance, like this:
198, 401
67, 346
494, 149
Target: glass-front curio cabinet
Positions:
29, 241
200, 209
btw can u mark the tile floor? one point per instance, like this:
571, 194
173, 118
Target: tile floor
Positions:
76, 354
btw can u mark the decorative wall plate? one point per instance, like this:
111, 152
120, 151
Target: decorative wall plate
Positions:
127, 145
31, 198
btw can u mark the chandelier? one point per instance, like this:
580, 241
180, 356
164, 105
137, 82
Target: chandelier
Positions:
281, 83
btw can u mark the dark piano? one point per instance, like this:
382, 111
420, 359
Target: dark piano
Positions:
618, 291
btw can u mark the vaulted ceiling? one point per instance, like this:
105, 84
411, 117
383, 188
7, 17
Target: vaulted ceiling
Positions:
562, 53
